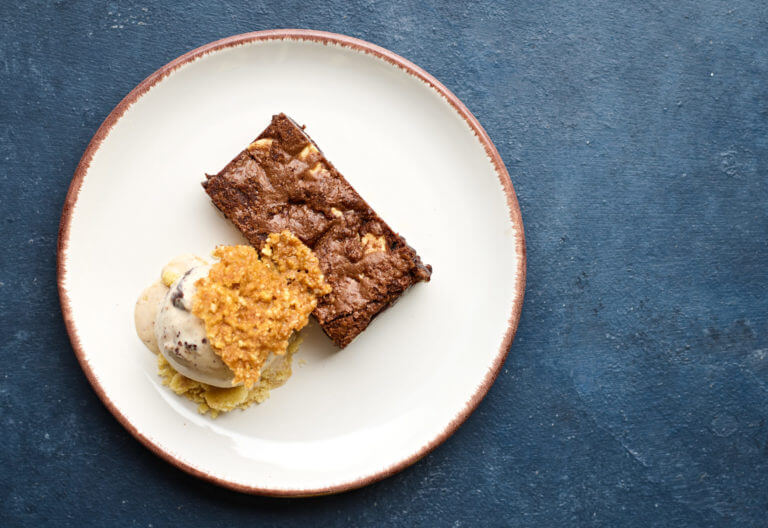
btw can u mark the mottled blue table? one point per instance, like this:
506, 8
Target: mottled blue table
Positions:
636, 392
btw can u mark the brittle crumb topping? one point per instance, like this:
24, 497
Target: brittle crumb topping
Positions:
251, 306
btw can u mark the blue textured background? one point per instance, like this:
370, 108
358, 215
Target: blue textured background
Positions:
636, 392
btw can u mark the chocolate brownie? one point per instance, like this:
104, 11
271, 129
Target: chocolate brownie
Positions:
283, 181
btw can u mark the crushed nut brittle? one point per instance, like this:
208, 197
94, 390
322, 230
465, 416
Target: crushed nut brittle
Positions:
251, 306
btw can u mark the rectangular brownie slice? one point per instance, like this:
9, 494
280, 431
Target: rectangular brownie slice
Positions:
283, 181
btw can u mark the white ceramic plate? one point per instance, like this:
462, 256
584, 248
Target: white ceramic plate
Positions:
410, 148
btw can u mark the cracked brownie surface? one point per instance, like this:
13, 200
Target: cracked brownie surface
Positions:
282, 181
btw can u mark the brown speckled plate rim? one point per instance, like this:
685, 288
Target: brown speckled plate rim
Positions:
325, 38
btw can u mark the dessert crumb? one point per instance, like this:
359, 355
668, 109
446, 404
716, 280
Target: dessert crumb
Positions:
214, 400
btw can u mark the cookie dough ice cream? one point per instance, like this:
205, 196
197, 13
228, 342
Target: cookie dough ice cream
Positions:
180, 335
228, 325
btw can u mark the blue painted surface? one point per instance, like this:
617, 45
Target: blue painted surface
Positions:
636, 392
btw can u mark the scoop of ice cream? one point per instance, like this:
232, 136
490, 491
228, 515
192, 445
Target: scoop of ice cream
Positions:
145, 313
181, 335
249, 305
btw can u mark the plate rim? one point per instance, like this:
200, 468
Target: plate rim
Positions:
326, 38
